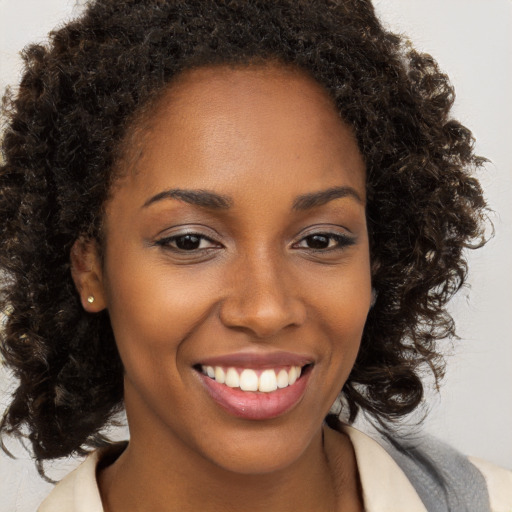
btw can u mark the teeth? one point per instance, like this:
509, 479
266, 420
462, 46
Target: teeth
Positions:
282, 379
220, 376
248, 379
232, 379
268, 381
292, 375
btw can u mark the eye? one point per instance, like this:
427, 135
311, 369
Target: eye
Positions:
187, 242
325, 242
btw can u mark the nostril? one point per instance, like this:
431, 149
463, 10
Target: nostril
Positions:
264, 316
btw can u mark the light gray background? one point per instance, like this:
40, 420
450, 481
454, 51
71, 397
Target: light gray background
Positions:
472, 41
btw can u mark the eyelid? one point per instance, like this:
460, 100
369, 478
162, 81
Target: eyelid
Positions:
324, 229
330, 231
165, 241
165, 237
188, 229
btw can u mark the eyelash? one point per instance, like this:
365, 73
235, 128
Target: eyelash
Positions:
167, 241
341, 242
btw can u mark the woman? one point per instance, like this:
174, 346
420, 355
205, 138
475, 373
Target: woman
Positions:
219, 215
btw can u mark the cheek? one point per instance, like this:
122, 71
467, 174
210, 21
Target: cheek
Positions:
155, 307
152, 311
342, 313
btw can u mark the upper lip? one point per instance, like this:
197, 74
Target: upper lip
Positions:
258, 360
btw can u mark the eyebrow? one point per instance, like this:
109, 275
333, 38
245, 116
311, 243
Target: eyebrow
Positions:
314, 199
211, 200
202, 198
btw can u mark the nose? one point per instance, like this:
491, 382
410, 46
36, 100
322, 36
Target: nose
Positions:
263, 298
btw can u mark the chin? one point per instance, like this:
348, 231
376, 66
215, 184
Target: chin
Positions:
265, 461
262, 452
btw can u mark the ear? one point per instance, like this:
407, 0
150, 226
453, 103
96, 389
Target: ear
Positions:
375, 267
87, 274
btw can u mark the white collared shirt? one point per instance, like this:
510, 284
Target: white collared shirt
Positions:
385, 486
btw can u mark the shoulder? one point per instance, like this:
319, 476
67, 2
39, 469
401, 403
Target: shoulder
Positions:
78, 491
384, 485
499, 484
443, 478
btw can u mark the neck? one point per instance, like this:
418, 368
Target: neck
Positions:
148, 476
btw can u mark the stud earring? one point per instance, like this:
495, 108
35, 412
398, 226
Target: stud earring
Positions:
90, 299
373, 300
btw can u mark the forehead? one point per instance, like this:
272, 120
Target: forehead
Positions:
247, 88
221, 121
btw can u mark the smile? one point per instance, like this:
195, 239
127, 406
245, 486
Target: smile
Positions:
248, 379
256, 391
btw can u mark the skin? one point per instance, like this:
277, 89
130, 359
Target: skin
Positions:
260, 136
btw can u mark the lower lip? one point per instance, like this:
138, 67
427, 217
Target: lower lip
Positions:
254, 405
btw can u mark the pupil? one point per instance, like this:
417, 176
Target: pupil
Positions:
318, 242
188, 242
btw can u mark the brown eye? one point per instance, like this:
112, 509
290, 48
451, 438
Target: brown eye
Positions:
187, 242
325, 242
317, 241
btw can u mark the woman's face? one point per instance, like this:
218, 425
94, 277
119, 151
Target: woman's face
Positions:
238, 248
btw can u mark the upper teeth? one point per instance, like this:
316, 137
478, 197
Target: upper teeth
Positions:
248, 379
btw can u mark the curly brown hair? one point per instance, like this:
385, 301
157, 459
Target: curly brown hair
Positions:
64, 134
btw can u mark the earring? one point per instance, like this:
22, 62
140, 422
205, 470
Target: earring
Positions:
373, 300
90, 299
